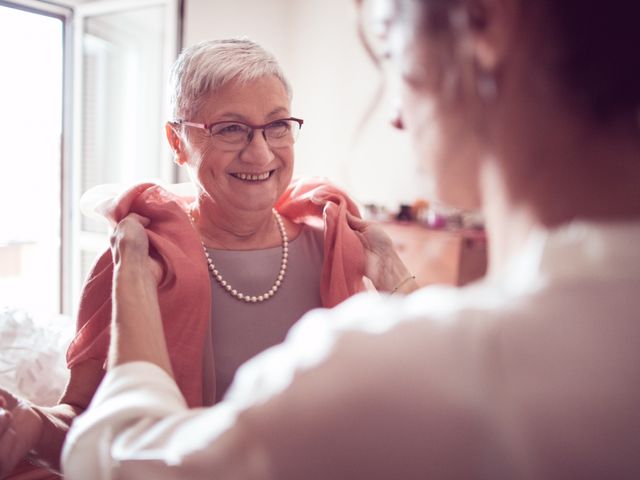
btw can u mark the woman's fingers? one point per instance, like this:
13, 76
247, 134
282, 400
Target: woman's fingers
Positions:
130, 236
144, 221
131, 227
5, 420
356, 223
7, 399
129, 240
20, 428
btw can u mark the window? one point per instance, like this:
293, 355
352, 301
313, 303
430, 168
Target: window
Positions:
31, 95
84, 101
123, 54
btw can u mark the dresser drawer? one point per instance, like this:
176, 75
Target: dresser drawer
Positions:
454, 257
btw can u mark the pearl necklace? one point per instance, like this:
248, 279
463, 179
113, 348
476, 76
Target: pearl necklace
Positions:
215, 273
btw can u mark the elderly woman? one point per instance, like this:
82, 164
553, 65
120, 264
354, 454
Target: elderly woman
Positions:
531, 373
240, 262
245, 258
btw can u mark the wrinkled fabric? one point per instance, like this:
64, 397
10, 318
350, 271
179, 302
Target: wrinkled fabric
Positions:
184, 291
343, 254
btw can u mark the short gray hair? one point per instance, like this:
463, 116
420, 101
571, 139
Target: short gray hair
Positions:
207, 66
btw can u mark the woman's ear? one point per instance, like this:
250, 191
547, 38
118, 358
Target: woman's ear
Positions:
491, 23
491, 28
175, 142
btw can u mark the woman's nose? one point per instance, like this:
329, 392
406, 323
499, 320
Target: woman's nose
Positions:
257, 150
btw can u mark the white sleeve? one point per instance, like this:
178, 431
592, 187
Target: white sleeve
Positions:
326, 399
138, 426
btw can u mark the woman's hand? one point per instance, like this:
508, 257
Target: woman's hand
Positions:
20, 430
130, 246
136, 331
383, 266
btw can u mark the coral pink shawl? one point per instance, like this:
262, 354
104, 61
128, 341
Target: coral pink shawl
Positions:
185, 292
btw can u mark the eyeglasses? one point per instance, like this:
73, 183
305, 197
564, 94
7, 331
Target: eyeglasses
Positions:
237, 135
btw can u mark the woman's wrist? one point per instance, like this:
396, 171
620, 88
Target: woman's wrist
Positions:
407, 285
394, 274
137, 333
135, 273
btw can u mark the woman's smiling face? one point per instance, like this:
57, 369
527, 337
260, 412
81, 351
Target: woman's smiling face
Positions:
250, 178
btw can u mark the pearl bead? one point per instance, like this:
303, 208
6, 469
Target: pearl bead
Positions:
283, 268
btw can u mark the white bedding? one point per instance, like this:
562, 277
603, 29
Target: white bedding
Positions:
32, 355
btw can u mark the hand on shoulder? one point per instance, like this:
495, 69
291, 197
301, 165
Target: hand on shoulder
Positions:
130, 246
383, 265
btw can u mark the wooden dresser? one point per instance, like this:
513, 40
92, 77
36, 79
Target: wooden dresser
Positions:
454, 257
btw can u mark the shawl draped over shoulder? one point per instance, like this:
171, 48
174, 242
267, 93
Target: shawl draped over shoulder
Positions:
185, 293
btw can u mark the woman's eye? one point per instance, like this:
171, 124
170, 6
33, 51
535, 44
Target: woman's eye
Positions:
231, 129
279, 124
280, 127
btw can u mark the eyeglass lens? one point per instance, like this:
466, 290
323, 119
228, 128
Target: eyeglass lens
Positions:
280, 133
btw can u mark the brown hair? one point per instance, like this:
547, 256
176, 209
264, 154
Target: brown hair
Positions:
600, 58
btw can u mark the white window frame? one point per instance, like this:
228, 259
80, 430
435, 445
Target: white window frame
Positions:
78, 240
72, 15
65, 14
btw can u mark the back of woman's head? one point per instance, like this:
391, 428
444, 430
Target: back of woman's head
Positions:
596, 44
600, 57
207, 66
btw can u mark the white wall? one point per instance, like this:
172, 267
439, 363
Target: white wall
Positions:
334, 83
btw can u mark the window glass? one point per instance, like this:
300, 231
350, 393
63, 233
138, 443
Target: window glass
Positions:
31, 55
